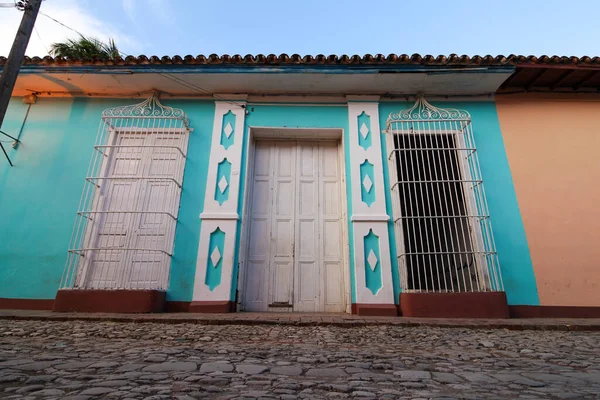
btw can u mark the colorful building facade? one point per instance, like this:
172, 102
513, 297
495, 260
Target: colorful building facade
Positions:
376, 185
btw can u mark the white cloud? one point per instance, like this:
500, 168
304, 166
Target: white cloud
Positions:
129, 9
160, 9
70, 12
163, 10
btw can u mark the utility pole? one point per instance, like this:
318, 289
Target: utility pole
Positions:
17, 52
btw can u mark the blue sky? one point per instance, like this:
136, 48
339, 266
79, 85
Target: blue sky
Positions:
169, 27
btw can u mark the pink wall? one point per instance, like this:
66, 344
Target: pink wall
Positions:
553, 147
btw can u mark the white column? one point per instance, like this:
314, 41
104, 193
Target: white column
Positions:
216, 251
372, 262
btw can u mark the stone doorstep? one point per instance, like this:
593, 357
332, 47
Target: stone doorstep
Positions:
299, 319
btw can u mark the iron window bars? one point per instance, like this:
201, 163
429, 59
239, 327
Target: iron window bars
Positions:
125, 224
441, 219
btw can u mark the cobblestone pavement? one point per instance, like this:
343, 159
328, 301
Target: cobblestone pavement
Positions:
90, 360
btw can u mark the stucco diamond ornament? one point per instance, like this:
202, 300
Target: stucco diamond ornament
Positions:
223, 184
367, 183
215, 256
228, 130
372, 260
364, 130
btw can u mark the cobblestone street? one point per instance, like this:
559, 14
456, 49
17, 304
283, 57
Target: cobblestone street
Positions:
89, 360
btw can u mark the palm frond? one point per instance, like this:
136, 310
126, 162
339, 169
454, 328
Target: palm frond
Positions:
85, 48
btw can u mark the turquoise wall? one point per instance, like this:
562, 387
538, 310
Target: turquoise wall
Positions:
295, 116
187, 236
39, 196
509, 233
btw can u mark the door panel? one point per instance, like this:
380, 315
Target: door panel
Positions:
331, 239
281, 283
259, 249
307, 290
294, 255
112, 229
307, 259
281, 264
333, 290
330, 217
256, 288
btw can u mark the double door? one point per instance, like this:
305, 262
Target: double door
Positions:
294, 258
131, 225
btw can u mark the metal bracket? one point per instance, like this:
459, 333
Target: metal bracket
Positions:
4, 150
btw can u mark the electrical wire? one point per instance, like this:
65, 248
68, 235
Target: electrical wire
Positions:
189, 85
60, 23
199, 89
166, 75
41, 40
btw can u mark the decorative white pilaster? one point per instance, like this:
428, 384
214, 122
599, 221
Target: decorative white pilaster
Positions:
372, 262
216, 251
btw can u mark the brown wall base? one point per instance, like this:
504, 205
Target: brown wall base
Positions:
553, 312
454, 305
113, 301
26, 304
212, 307
177, 306
375, 310
142, 302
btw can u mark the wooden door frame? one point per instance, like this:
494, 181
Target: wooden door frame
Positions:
295, 134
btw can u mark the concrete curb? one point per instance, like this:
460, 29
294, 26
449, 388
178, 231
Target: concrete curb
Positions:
346, 321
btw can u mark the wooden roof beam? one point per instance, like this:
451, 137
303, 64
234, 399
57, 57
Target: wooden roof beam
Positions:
563, 78
585, 80
535, 79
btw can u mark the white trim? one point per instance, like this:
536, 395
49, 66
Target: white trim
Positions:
345, 235
362, 98
385, 295
312, 134
373, 154
221, 215
365, 218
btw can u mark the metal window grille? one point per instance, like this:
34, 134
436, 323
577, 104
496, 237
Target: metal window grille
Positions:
125, 224
441, 220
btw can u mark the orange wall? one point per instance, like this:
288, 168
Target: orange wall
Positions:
553, 147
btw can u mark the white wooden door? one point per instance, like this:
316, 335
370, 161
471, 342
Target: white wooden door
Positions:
111, 224
294, 257
130, 213
158, 202
329, 221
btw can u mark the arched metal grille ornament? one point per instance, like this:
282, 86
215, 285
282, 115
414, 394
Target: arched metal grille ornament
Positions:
441, 219
125, 224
